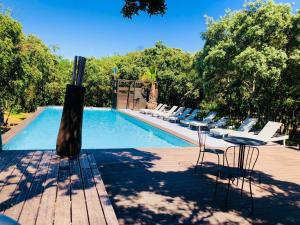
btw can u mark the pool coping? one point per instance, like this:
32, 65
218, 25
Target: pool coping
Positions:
16, 129
163, 129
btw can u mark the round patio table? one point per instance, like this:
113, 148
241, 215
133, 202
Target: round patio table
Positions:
242, 142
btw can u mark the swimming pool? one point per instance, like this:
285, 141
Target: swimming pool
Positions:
102, 129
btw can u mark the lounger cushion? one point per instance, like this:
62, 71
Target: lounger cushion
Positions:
187, 122
198, 124
220, 132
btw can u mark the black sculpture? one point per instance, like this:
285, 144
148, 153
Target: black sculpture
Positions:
70, 131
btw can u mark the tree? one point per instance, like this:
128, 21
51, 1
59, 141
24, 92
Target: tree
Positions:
38, 71
98, 78
150, 77
10, 61
133, 7
249, 61
177, 79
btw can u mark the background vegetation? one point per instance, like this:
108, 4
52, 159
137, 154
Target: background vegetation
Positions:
250, 65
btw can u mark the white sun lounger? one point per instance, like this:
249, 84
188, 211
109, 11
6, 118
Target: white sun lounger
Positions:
218, 124
175, 119
176, 113
161, 109
246, 126
190, 118
266, 134
206, 120
169, 112
147, 111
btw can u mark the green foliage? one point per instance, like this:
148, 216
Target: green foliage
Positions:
133, 7
10, 41
31, 75
177, 79
250, 65
149, 76
251, 62
98, 76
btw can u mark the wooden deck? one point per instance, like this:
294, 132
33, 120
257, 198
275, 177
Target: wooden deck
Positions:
146, 186
37, 187
159, 186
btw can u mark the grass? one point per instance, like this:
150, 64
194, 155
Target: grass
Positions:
13, 120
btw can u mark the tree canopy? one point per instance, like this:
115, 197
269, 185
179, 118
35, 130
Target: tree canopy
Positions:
133, 7
251, 62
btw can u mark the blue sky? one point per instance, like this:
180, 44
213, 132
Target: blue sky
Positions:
97, 28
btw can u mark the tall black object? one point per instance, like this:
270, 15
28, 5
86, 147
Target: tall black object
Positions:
70, 131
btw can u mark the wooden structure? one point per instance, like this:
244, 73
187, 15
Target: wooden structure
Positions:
38, 187
130, 94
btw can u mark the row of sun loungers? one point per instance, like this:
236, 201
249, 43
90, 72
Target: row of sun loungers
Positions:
187, 117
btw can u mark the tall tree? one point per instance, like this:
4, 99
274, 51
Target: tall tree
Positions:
245, 61
10, 62
150, 77
133, 7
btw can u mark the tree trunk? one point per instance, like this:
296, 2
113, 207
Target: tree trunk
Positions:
152, 99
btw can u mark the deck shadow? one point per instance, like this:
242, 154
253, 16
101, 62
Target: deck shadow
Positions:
147, 189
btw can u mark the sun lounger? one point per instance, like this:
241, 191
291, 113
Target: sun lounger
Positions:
169, 112
205, 121
147, 111
246, 126
176, 113
267, 134
190, 118
218, 124
176, 119
161, 109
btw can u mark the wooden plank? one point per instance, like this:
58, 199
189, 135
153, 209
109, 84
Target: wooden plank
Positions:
30, 209
79, 208
9, 166
109, 213
20, 194
95, 212
5, 158
13, 181
47, 205
62, 213
84, 162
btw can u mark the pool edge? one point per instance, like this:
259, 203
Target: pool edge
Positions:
162, 128
6, 137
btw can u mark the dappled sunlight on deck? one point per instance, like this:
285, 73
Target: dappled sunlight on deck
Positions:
159, 186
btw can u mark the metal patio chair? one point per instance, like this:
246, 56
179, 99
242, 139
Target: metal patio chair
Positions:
240, 164
202, 134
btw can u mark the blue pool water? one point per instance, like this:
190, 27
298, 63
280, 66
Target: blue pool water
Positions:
102, 129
